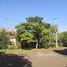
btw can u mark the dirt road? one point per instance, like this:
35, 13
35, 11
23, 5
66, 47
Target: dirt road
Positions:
49, 58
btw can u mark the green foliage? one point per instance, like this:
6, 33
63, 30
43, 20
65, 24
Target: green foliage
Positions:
26, 36
4, 40
64, 39
34, 19
36, 32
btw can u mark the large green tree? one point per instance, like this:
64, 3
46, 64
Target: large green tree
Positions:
36, 31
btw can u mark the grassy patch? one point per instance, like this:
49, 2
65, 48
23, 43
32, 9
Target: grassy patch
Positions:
22, 51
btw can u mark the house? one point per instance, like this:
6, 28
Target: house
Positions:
12, 35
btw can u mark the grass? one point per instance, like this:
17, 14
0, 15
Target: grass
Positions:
22, 51
14, 51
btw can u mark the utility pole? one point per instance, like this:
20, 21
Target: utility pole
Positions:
56, 37
56, 40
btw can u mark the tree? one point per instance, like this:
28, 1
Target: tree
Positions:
24, 35
4, 40
64, 39
49, 37
38, 28
54, 31
35, 31
35, 19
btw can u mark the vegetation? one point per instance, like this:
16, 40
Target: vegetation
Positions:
36, 33
4, 40
64, 39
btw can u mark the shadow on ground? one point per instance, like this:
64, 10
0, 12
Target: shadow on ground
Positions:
12, 60
63, 52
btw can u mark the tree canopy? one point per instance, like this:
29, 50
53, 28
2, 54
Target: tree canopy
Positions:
36, 33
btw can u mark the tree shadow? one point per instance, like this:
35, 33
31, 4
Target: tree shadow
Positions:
13, 60
63, 52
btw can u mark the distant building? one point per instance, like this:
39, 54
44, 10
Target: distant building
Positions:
12, 37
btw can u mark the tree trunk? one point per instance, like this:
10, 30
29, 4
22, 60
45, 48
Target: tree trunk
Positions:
36, 45
61, 43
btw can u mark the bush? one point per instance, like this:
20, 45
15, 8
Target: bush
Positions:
4, 40
64, 40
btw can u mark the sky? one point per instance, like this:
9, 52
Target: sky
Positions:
13, 12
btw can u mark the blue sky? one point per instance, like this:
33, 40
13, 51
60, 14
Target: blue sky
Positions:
13, 12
